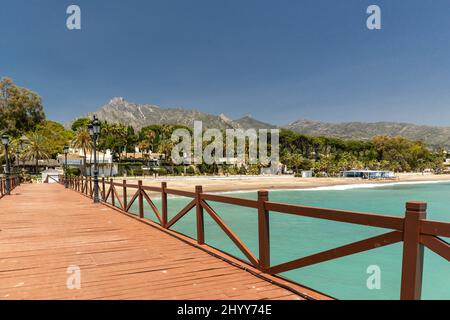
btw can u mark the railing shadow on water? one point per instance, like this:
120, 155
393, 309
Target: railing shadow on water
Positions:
413, 230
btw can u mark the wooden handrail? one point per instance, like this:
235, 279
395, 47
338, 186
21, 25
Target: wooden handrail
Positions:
230, 200
154, 189
180, 193
365, 219
413, 229
14, 183
441, 229
437, 245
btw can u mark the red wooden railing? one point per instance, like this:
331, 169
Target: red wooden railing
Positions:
15, 181
413, 229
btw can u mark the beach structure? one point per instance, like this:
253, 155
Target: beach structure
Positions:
42, 164
105, 162
368, 174
307, 174
51, 175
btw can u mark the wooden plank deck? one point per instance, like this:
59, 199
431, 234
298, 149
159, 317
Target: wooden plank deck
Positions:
44, 229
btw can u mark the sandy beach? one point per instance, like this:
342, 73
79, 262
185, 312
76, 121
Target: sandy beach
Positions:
243, 183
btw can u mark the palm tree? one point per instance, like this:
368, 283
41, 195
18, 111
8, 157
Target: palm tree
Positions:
166, 130
83, 141
144, 146
151, 135
37, 148
165, 147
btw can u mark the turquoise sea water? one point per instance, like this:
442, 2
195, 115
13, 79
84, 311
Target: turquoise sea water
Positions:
293, 237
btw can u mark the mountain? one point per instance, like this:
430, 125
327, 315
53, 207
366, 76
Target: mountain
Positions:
432, 135
248, 122
119, 110
140, 115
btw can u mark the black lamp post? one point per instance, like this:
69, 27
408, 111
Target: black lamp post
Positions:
94, 131
17, 160
5, 142
22, 141
66, 151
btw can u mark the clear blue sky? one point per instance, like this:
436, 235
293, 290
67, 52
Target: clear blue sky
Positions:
277, 60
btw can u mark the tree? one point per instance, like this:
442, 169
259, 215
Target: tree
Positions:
150, 139
21, 110
349, 161
83, 141
166, 130
131, 139
326, 165
56, 136
80, 123
293, 160
37, 148
165, 147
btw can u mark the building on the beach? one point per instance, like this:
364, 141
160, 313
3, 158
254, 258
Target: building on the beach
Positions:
446, 164
368, 174
35, 167
307, 174
75, 157
151, 159
51, 175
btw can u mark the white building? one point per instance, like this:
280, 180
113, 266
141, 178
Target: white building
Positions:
51, 175
368, 174
75, 157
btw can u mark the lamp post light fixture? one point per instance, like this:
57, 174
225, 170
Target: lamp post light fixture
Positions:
66, 152
6, 142
94, 132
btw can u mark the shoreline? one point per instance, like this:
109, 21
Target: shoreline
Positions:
243, 184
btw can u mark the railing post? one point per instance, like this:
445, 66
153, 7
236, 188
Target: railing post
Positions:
141, 200
200, 218
164, 203
412, 264
125, 197
263, 231
90, 187
113, 201
103, 189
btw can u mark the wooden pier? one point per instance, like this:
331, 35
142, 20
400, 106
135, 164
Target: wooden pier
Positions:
47, 231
